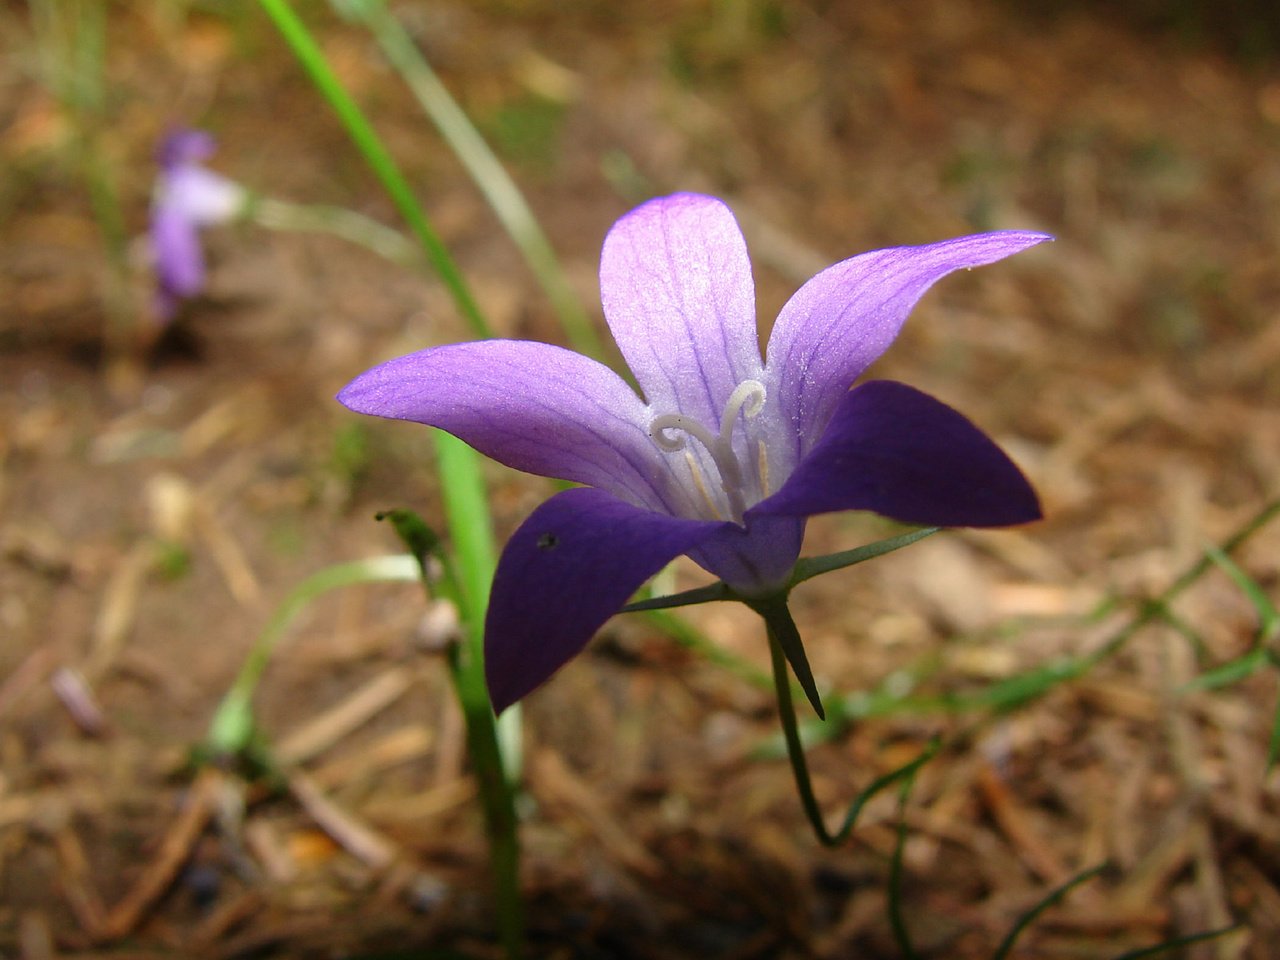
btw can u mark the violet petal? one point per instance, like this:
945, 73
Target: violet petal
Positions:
202, 196
179, 260
841, 320
532, 406
898, 452
754, 560
675, 281
567, 570
184, 146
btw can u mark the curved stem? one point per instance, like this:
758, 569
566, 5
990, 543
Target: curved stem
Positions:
800, 766
795, 749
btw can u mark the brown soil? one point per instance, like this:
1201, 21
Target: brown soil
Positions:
156, 506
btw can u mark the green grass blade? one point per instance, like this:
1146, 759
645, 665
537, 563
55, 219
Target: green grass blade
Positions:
1268, 615
380, 161
1233, 671
231, 729
1177, 943
481, 163
1029, 916
897, 917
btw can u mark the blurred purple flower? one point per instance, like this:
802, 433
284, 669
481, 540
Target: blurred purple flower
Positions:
726, 455
187, 198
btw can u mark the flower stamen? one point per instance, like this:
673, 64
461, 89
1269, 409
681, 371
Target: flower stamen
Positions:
762, 466
701, 485
748, 399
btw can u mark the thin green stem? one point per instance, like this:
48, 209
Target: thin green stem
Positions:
470, 529
897, 918
800, 765
1155, 609
486, 170
784, 635
1054, 896
232, 725
336, 221
362, 134
462, 583
795, 749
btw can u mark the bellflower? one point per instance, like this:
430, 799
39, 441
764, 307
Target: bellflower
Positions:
187, 198
726, 454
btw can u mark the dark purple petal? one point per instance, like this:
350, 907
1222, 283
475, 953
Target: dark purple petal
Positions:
754, 560
676, 285
896, 451
567, 570
532, 406
840, 321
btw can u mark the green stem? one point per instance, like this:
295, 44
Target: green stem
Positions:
336, 221
785, 637
467, 584
470, 529
1155, 609
376, 155
471, 534
232, 726
484, 167
800, 766
795, 749
497, 797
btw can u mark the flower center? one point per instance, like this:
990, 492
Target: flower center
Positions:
665, 429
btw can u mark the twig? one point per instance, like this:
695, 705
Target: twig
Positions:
364, 843
175, 849
365, 703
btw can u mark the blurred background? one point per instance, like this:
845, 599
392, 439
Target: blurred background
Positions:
164, 486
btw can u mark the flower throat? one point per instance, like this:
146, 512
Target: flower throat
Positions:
748, 399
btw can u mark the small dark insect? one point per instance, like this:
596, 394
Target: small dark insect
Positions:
548, 541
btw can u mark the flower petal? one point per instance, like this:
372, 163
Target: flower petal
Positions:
533, 406
202, 196
567, 570
175, 244
755, 560
898, 452
840, 321
185, 146
676, 285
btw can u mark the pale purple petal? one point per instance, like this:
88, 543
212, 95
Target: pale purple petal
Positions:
676, 285
179, 261
898, 452
840, 321
202, 196
567, 570
533, 406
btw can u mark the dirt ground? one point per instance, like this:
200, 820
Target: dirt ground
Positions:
156, 506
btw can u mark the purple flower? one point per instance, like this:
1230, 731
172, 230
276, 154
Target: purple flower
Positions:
187, 198
726, 455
